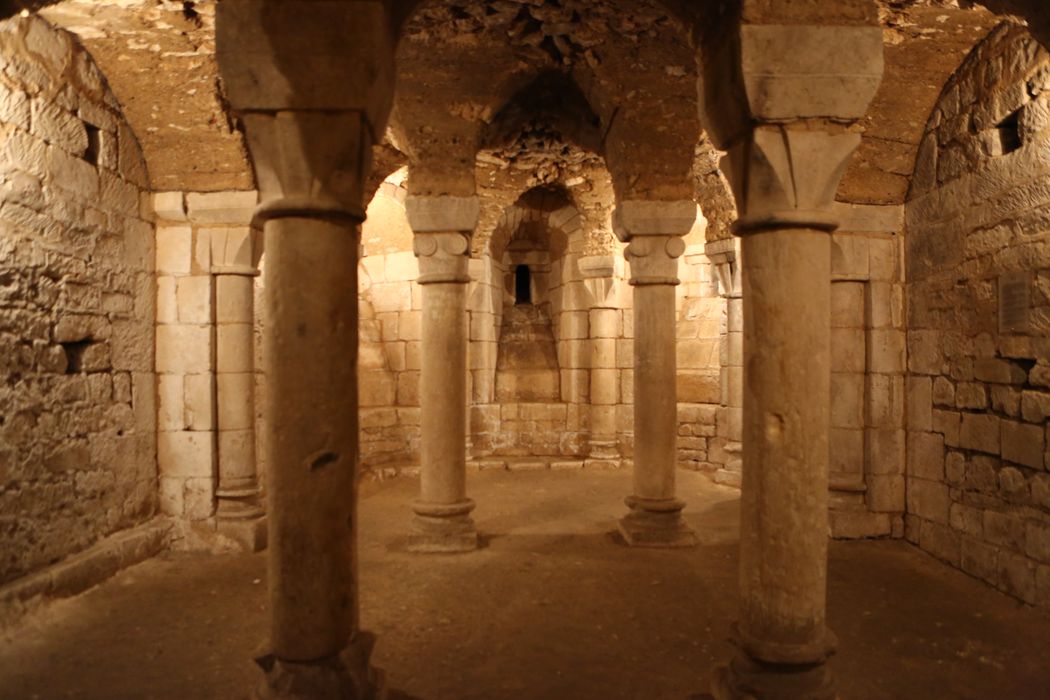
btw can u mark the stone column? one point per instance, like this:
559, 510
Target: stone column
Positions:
654, 232
239, 514
311, 112
605, 327
443, 227
785, 158
724, 255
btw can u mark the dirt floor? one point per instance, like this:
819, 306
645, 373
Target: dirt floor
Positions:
551, 608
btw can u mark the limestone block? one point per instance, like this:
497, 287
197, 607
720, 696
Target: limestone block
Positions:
971, 395
928, 499
389, 297
847, 305
412, 355
1035, 406
920, 403
926, 455
882, 259
483, 327
116, 195
237, 447
886, 450
885, 304
847, 400
1022, 443
1004, 529
886, 351
1006, 399
170, 495
409, 326
980, 432
199, 498
846, 451
627, 391
14, 108
235, 404
408, 388
924, 353
885, 493
376, 388
573, 325
199, 402
483, 386
575, 385
698, 354
940, 540
167, 309
57, 127
848, 350
604, 388
234, 347
698, 387
185, 454
1017, 576
174, 249
168, 206
603, 353
194, 299
170, 396
73, 175
401, 267
980, 559
230, 207
998, 371
849, 257
394, 354
183, 349
605, 323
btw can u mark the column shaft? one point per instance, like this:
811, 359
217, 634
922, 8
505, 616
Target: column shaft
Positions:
311, 434
783, 546
655, 519
238, 492
442, 521
443, 394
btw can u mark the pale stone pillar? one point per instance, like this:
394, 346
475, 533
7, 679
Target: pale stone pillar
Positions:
443, 227
727, 450
785, 159
654, 231
239, 514
310, 134
605, 328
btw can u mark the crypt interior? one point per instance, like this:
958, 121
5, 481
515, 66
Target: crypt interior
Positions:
524, 348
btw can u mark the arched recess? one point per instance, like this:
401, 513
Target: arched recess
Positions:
78, 420
529, 363
978, 265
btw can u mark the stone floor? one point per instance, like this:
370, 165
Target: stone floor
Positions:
551, 608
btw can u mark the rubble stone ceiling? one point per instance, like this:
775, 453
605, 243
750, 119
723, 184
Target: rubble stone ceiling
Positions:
631, 61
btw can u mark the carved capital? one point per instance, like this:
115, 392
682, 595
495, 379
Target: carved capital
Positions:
725, 256
309, 164
440, 214
443, 257
654, 259
234, 251
787, 177
599, 277
637, 217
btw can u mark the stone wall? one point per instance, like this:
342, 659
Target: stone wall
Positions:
978, 222
77, 396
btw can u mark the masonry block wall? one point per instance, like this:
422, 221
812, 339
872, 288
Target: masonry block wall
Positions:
77, 397
978, 222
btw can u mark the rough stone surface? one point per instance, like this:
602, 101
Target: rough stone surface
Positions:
77, 395
977, 216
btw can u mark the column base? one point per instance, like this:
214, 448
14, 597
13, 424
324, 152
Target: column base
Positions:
346, 676
747, 679
443, 529
250, 534
603, 450
656, 523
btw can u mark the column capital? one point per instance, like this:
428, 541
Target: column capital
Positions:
643, 217
439, 214
443, 257
782, 101
234, 251
599, 277
654, 259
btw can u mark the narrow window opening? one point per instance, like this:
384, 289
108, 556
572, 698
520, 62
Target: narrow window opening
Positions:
1009, 133
94, 143
522, 285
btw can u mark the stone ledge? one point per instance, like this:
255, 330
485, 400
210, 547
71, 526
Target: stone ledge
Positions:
82, 571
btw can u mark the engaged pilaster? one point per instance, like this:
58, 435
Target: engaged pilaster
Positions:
654, 232
788, 139
238, 512
443, 227
312, 84
605, 327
